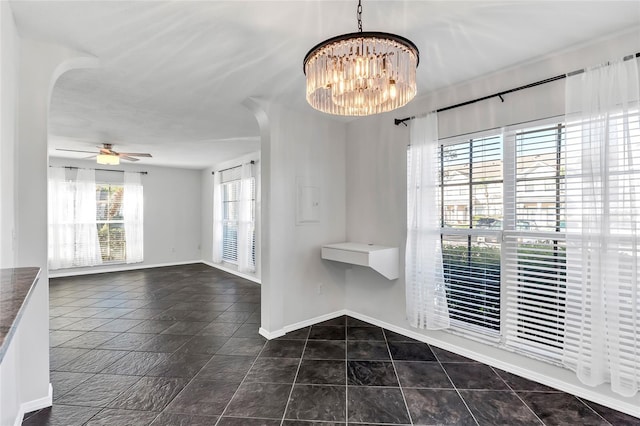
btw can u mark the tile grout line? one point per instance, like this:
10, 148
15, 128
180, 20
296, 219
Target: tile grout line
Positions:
346, 371
473, 416
144, 376
133, 290
241, 382
592, 409
517, 396
295, 378
195, 375
404, 398
106, 406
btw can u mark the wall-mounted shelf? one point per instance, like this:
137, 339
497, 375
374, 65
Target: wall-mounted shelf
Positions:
381, 259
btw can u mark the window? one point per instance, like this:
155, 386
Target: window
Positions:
471, 213
110, 222
232, 216
503, 237
535, 252
93, 223
230, 204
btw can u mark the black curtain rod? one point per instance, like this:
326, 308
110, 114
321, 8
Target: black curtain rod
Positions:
398, 121
102, 170
231, 168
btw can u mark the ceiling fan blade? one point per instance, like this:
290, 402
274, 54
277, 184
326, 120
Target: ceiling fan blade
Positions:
74, 150
107, 151
125, 157
91, 157
136, 154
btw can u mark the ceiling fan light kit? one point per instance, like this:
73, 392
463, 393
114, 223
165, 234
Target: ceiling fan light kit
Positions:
361, 73
108, 159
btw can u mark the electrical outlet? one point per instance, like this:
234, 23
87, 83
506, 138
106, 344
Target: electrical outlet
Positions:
320, 288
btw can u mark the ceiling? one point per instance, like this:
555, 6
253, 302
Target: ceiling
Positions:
173, 75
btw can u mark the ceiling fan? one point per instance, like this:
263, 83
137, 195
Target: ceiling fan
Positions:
107, 153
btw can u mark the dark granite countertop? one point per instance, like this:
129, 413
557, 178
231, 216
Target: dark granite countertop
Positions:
16, 286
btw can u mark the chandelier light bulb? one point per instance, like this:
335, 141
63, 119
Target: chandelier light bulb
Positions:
361, 73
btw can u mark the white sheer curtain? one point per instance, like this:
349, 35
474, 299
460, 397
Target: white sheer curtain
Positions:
424, 275
73, 233
133, 212
87, 252
216, 251
602, 324
246, 224
61, 244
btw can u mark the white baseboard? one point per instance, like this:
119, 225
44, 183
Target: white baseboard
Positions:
555, 377
133, 266
563, 379
36, 404
312, 321
271, 335
302, 324
115, 268
233, 271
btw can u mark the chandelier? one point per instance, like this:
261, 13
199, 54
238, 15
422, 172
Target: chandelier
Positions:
361, 73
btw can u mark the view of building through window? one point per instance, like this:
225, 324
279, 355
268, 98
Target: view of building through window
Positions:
501, 203
471, 197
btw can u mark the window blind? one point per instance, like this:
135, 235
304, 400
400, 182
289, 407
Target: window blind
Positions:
605, 208
506, 244
110, 222
535, 244
471, 212
230, 215
231, 181
231, 174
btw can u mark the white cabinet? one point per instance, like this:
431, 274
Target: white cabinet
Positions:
381, 259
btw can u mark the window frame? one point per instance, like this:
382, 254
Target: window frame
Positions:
100, 223
511, 217
518, 280
227, 222
473, 234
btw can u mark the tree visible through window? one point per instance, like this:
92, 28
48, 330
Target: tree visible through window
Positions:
110, 222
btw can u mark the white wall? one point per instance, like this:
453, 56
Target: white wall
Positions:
9, 59
531, 104
207, 211
172, 213
28, 72
308, 149
376, 193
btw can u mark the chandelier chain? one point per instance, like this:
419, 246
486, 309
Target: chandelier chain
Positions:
360, 15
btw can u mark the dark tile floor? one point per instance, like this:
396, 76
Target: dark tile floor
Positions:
180, 346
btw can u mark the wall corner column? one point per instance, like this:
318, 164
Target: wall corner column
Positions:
40, 66
272, 300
